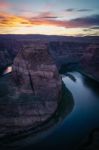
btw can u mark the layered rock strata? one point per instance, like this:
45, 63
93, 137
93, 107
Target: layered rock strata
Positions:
31, 92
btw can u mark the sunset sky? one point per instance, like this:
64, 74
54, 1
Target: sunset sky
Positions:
51, 17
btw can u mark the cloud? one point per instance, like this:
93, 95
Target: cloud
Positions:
38, 15
87, 30
95, 28
48, 19
9, 20
84, 22
77, 10
84, 10
92, 28
88, 21
45, 15
70, 10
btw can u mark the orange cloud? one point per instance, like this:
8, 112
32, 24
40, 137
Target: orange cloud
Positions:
11, 22
8, 20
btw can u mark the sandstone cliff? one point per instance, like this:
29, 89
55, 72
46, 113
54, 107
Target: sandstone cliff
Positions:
31, 93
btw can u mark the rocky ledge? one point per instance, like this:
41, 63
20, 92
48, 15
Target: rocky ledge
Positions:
30, 94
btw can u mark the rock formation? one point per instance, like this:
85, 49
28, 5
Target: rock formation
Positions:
90, 61
31, 93
67, 52
35, 72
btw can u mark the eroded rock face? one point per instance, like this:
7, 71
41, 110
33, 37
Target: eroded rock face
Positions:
35, 72
33, 90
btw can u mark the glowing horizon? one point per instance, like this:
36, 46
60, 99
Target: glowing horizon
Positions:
49, 17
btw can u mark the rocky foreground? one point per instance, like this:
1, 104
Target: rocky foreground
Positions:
31, 93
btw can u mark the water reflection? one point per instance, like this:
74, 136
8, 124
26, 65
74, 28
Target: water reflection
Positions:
83, 118
8, 70
5, 70
76, 116
85, 115
92, 84
69, 75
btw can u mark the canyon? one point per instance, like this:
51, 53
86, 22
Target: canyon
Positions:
31, 87
71, 52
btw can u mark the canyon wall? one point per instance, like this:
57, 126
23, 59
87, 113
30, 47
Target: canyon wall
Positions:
69, 51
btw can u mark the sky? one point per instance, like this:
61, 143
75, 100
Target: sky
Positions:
50, 17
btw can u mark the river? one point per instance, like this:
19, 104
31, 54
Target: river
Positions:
71, 130
82, 119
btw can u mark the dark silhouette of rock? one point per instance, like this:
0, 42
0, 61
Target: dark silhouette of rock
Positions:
31, 93
91, 142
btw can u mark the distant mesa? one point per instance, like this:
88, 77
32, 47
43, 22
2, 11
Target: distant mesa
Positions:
30, 94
